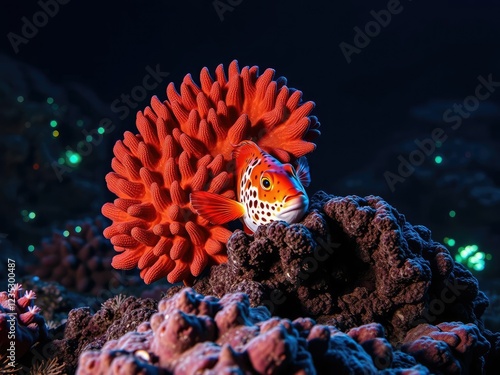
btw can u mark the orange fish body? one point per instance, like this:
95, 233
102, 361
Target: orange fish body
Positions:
267, 190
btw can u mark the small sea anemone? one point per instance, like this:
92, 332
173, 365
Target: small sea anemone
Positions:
184, 145
19, 314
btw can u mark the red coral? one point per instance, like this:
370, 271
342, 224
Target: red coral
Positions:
185, 145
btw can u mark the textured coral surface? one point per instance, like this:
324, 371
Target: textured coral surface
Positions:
79, 258
192, 333
20, 316
351, 261
85, 330
448, 348
184, 145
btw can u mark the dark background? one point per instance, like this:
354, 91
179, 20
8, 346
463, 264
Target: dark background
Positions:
392, 92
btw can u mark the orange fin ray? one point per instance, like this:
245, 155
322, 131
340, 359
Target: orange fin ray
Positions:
303, 171
216, 208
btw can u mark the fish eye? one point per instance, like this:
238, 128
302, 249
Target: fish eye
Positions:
265, 182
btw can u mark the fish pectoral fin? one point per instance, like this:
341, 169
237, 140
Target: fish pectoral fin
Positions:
216, 208
303, 171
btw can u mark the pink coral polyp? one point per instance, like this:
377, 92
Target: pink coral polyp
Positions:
184, 145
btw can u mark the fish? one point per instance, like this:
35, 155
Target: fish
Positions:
266, 190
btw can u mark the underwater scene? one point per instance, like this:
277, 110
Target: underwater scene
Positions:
250, 187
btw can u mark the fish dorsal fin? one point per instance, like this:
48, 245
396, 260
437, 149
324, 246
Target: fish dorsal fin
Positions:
303, 171
216, 208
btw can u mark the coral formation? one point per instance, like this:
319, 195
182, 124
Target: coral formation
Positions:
493, 356
184, 145
79, 258
20, 316
84, 330
192, 333
54, 300
463, 182
352, 261
448, 348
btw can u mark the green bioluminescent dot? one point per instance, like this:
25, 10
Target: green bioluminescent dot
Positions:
78, 229
66, 233
101, 130
478, 266
452, 213
450, 242
32, 215
50, 100
53, 123
438, 159
79, 122
471, 257
74, 158
61, 161
89, 138
31, 248
438, 144
20, 99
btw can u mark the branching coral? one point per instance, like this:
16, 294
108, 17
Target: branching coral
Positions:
184, 145
20, 317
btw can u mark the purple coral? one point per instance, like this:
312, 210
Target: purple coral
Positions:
448, 348
21, 325
192, 333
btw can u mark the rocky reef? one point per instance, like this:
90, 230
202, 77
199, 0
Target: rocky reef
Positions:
354, 287
192, 333
351, 261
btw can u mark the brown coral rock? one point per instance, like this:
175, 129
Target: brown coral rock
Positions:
352, 261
